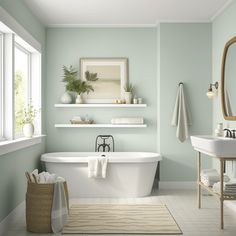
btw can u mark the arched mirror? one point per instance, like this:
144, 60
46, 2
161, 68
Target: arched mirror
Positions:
228, 80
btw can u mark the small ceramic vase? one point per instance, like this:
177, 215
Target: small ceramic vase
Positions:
128, 97
66, 98
28, 130
79, 99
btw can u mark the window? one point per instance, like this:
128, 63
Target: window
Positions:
1, 86
21, 86
20, 83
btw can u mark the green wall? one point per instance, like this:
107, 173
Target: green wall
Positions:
13, 165
223, 29
185, 55
65, 47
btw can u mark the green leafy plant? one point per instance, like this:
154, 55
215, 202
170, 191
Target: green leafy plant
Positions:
80, 87
129, 88
29, 114
73, 84
91, 76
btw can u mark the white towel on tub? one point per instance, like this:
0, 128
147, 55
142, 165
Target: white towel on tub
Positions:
97, 166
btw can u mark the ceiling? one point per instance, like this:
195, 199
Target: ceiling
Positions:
124, 12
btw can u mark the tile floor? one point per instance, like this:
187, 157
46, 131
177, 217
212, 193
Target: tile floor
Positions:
181, 203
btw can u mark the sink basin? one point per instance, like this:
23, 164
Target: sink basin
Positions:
214, 146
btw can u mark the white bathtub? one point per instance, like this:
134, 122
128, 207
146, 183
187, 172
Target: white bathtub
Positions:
129, 174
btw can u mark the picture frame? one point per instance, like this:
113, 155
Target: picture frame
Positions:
112, 74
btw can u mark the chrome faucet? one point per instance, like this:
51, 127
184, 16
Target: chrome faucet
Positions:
105, 146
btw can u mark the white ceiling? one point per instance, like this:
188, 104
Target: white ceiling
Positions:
124, 12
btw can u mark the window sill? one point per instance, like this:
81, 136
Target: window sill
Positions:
13, 145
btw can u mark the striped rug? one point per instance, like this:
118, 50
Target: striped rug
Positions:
120, 219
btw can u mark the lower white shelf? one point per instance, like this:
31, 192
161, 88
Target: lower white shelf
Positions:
99, 126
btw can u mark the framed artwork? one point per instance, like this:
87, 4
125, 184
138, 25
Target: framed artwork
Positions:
110, 75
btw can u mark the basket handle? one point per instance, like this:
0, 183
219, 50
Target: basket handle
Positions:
28, 176
35, 179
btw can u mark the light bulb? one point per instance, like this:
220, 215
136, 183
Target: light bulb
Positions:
210, 94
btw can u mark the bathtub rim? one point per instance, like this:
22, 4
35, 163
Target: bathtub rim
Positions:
58, 157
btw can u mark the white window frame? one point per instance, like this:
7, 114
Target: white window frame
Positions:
13, 33
1, 86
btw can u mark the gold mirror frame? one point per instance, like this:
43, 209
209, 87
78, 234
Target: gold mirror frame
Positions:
223, 105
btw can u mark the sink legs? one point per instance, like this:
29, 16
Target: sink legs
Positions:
222, 193
198, 180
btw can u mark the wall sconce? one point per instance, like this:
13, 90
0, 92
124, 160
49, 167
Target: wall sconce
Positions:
210, 93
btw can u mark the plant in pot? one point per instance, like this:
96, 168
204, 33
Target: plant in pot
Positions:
69, 75
77, 85
129, 88
28, 120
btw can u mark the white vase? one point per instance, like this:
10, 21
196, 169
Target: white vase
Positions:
79, 99
28, 130
128, 97
66, 98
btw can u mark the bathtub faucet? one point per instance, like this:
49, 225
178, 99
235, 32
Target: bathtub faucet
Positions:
105, 146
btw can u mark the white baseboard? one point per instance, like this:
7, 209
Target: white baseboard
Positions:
7, 222
177, 185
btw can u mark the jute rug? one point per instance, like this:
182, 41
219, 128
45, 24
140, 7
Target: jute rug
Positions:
120, 219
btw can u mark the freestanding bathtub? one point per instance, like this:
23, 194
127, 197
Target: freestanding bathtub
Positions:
129, 174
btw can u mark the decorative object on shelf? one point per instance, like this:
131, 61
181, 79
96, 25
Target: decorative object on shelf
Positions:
66, 98
76, 85
135, 100
78, 120
128, 93
112, 74
219, 131
79, 99
28, 119
101, 105
210, 93
127, 120
140, 100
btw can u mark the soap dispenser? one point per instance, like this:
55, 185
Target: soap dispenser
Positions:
219, 131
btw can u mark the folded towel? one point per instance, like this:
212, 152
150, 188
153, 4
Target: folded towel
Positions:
227, 188
128, 120
181, 116
59, 212
211, 180
209, 171
97, 167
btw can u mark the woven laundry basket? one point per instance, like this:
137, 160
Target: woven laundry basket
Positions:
39, 199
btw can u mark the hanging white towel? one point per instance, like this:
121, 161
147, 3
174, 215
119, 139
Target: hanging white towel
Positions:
181, 116
59, 212
97, 167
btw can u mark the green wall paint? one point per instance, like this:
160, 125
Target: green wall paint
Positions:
223, 29
13, 165
66, 47
185, 55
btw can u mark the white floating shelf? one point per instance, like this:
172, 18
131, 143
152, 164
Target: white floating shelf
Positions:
100, 105
98, 126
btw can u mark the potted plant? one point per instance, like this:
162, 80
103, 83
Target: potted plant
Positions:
69, 75
28, 119
76, 85
128, 93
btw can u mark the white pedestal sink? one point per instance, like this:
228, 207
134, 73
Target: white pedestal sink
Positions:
214, 146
